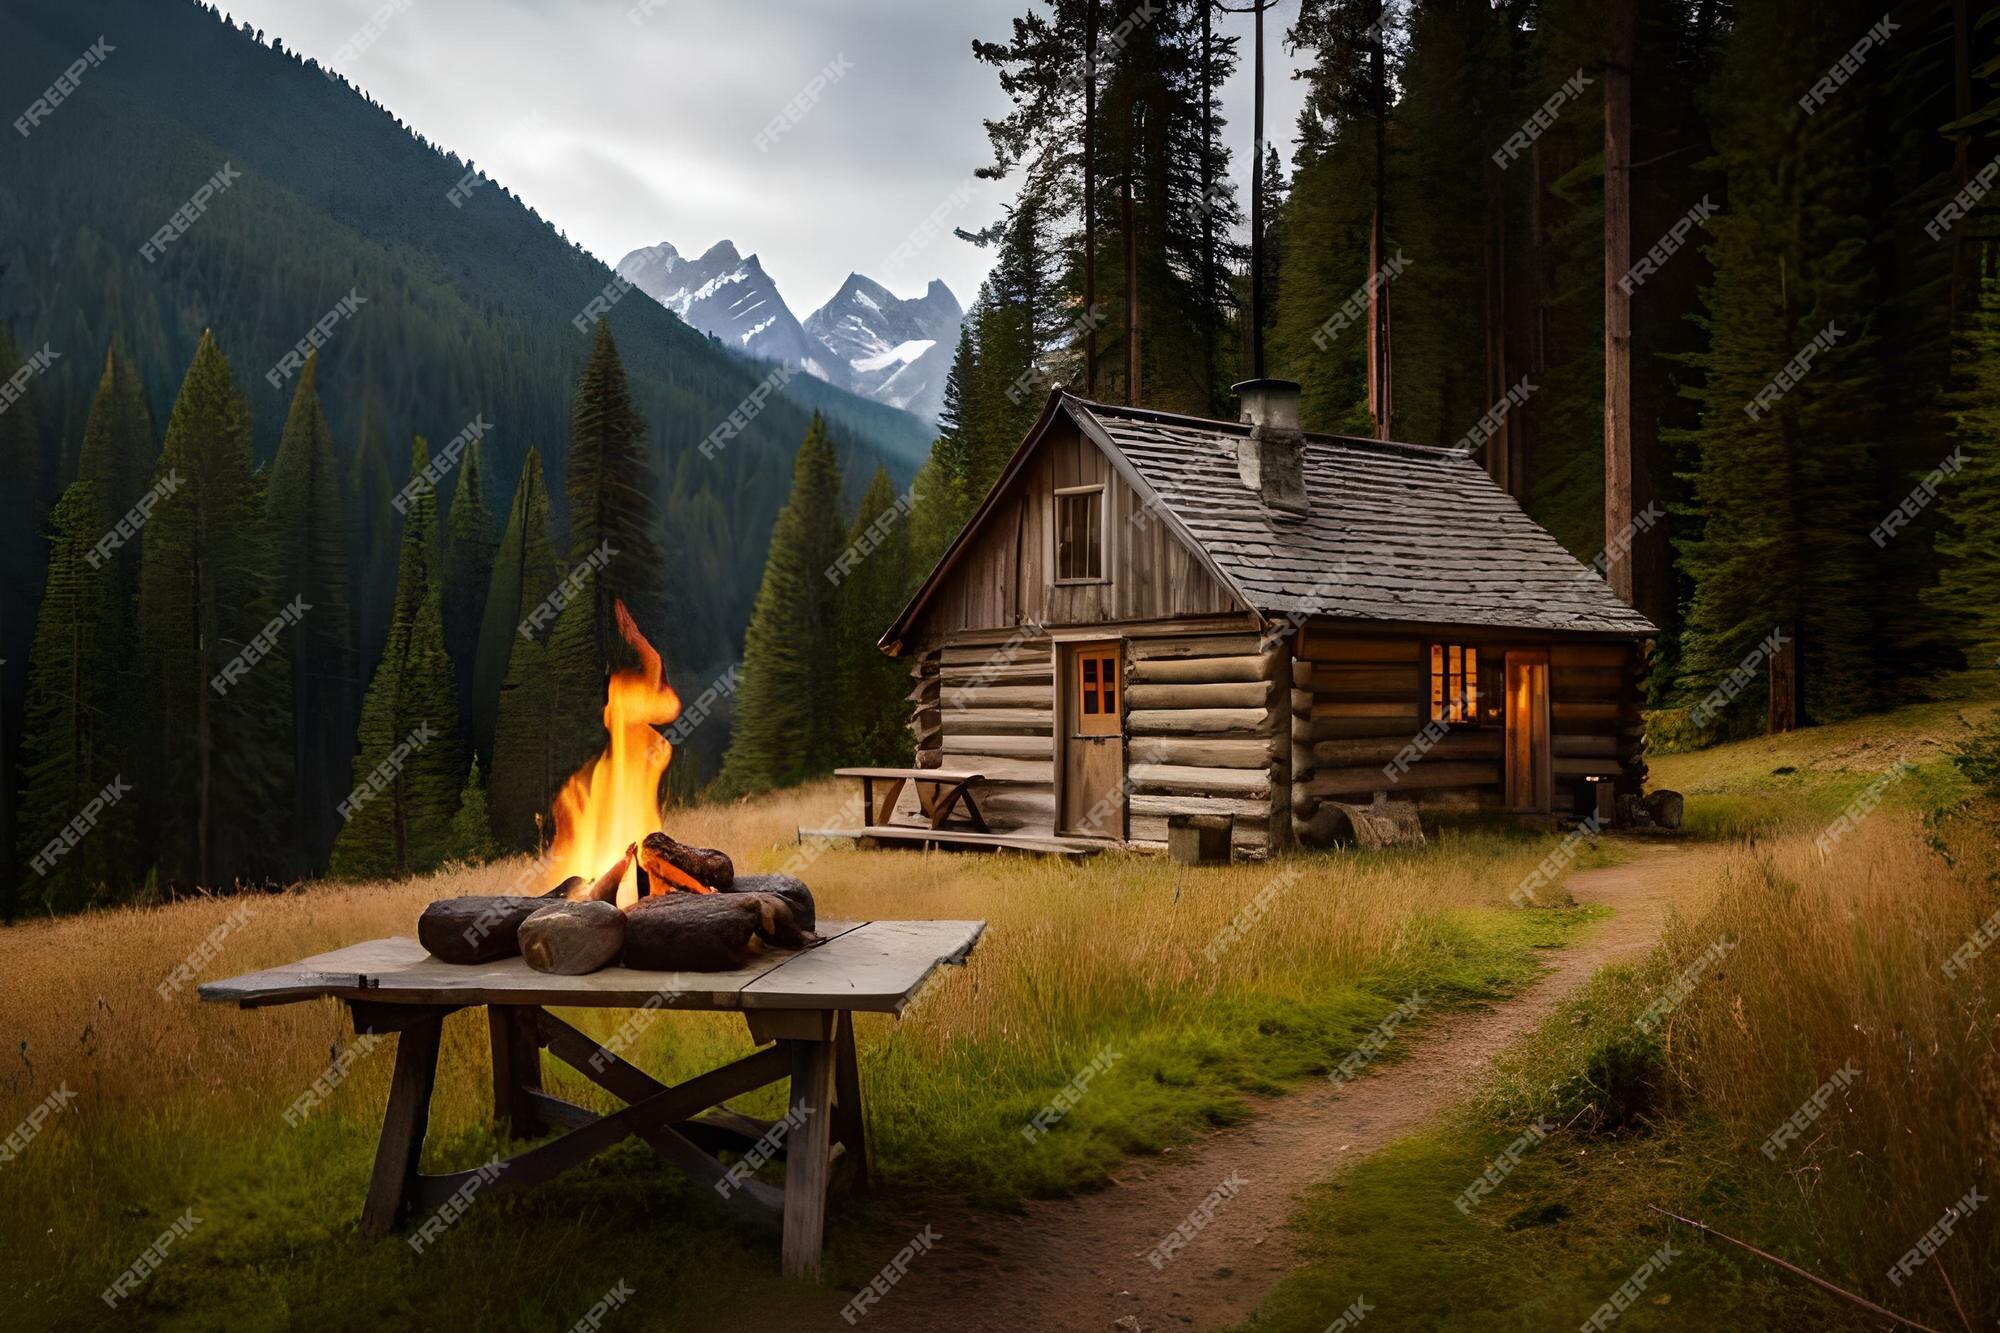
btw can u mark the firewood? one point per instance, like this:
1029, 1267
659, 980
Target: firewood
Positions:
687, 932
678, 863
796, 895
606, 888
476, 929
572, 888
570, 939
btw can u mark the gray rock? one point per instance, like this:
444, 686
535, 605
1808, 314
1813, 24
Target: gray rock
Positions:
571, 939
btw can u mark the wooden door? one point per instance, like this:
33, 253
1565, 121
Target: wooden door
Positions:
1091, 730
1530, 776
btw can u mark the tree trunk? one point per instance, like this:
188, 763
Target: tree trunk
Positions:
1257, 205
1208, 306
1618, 508
1131, 288
1090, 199
1785, 711
1380, 397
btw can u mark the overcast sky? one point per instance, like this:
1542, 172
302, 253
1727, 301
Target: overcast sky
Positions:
629, 133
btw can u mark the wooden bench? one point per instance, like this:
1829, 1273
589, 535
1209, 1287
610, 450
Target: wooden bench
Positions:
938, 792
799, 1005
928, 837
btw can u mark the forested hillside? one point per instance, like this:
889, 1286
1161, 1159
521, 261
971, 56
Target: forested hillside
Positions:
453, 315
1809, 219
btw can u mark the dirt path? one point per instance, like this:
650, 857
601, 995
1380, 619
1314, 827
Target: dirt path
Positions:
1081, 1263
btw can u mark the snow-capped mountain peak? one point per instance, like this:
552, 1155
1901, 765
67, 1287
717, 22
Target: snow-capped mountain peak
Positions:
866, 339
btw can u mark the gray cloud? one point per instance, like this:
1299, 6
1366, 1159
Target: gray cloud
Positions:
646, 132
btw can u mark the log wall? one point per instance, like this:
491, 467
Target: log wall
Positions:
1202, 735
995, 707
1359, 698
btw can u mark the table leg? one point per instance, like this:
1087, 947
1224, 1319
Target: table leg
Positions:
808, 1159
848, 1125
517, 1068
403, 1125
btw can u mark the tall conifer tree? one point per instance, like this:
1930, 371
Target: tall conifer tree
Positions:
872, 590
309, 528
216, 787
518, 689
788, 726
74, 715
469, 550
409, 765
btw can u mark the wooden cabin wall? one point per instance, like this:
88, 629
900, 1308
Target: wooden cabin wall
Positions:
1006, 578
1204, 735
1360, 697
996, 714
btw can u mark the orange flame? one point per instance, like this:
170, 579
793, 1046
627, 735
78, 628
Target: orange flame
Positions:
615, 800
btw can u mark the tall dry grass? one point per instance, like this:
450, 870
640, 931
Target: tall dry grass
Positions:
181, 1103
1840, 961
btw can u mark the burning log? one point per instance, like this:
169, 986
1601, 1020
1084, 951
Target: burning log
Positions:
606, 888
478, 929
792, 890
691, 869
572, 938
710, 932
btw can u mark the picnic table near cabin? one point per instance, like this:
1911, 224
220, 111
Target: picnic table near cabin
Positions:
939, 793
799, 1006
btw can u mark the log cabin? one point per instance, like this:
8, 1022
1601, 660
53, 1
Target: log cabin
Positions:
1151, 615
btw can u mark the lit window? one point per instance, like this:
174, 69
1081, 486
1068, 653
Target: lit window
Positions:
1080, 534
1454, 684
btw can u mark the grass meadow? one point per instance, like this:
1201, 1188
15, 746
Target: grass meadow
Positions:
179, 1107
1837, 967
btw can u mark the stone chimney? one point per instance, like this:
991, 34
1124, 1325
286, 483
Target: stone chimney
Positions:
1272, 459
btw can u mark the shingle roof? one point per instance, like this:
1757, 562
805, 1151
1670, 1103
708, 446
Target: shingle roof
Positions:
1394, 531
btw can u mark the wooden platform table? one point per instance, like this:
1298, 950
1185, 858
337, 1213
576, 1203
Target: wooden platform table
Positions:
799, 1005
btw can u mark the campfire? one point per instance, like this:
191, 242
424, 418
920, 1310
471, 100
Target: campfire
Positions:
627, 890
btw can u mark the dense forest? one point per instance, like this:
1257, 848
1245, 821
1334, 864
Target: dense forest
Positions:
1799, 255
469, 325
1740, 259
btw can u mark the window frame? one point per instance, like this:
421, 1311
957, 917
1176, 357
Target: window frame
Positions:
1440, 700
1056, 576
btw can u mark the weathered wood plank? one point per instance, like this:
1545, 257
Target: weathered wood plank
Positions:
1196, 752
1589, 655
1199, 722
1247, 811
1206, 645
1396, 682
1034, 695
1354, 709
1245, 694
1183, 779
960, 721
1198, 670
1322, 645
1345, 781
1013, 747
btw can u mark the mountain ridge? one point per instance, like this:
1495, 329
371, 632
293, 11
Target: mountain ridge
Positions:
867, 340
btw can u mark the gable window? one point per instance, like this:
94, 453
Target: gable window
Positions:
1455, 684
1080, 534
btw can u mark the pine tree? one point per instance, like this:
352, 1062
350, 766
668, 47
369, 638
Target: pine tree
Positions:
1785, 487
409, 761
612, 502
74, 714
308, 526
216, 782
21, 557
119, 445
787, 716
1968, 594
518, 688
471, 833
371, 547
468, 570
875, 585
